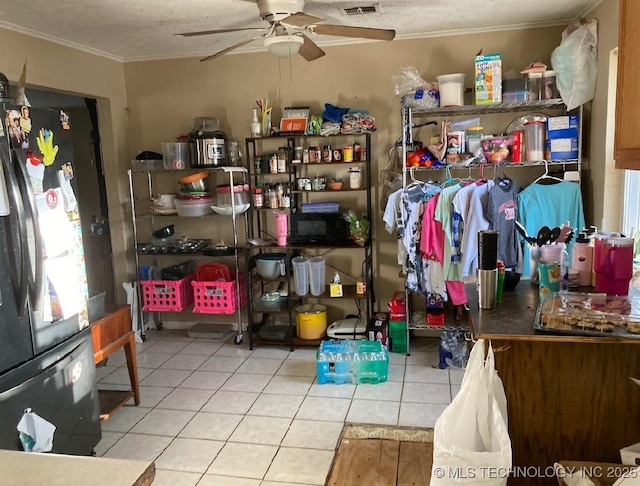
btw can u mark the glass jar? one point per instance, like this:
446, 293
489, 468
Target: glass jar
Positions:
257, 198
355, 178
257, 164
327, 154
305, 156
297, 155
282, 160
347, 154
273, 164
312, 154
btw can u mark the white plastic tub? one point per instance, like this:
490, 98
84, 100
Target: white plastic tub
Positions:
193, 208
451, 87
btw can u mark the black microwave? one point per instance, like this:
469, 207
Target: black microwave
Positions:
319, 229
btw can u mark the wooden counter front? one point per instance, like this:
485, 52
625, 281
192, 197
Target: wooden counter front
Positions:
568, 397
110, 333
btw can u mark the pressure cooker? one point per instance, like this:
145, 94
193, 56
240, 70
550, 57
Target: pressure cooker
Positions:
207, 143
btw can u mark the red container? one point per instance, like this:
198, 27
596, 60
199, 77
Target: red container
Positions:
166, 295
435, 318
219, 297
516, 148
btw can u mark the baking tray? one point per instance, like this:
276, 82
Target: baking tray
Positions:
179, 247
577, 310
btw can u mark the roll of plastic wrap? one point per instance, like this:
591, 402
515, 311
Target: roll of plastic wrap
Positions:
487, 249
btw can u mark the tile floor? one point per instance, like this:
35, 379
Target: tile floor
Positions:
215, 413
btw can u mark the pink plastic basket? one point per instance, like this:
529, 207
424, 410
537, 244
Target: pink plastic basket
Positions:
167, 295
219, 297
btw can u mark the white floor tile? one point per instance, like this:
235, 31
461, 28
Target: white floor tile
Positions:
111, 386
162, 377
230, 402
243, 460
125, 418
211, 426
104, 371
276, 405
277, 483
178, 335
233, 351
186, 399
298, 367
139, 447
305, 466
121, 376
222, 363
165, 346
455, 376
428, 358
163, 422
454, 391
397, 358
202, 347
373, 412
175, 478
142, 347
107, 440
261, 430
289, 385
183, 361
425, 374
150, 396
420, 414
396, 372
426, 393
117, 358
215, 480
324, 408
189, 455
313, 434
246, 382
306, 354
207, 380
345, 390
153, 335
271, 352
262, 366
389, 390
148, 359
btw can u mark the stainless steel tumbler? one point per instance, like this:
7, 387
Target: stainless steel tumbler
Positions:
487, 288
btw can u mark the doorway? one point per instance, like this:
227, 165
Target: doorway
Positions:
90, 183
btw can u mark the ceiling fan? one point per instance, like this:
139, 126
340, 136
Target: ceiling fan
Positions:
288, 31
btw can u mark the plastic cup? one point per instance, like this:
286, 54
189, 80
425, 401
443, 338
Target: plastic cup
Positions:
534, 141
301, 275
317, 271
175, 155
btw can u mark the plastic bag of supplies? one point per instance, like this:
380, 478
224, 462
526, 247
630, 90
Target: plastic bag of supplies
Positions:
471, 443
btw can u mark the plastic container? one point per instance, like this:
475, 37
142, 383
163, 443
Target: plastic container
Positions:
240, 195
194, 208
451, 87
167, 295
317, 275
301, 275
311, 321
219, 297
175, 155
582, 259
534, 83
620, 254
282, 227
350, 361
549, 89
534, 141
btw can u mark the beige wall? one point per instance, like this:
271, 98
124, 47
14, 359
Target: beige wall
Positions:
603, 196
164, 96
68, 70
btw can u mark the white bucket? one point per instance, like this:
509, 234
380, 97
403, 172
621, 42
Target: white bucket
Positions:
451, 87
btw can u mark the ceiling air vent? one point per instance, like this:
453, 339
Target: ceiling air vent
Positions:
363, 10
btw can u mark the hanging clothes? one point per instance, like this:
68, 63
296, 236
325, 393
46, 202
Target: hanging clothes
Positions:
393, 221
432, 249
502, 213
475, 221
444, 214
549, 205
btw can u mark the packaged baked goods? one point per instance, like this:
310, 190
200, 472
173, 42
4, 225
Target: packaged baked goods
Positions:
590, 314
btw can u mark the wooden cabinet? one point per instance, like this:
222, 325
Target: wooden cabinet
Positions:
627, 137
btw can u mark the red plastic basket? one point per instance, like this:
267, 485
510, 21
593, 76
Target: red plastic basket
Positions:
219, 297
166, 295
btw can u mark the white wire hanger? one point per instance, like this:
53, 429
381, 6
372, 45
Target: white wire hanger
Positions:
546, 175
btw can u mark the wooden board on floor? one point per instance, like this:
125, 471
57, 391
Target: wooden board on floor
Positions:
379, 462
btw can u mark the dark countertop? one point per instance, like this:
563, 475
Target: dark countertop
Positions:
513, 319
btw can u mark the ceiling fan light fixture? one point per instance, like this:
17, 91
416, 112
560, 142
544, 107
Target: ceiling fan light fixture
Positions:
284, 45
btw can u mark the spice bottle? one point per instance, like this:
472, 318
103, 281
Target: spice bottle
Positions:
357, 151
327, 154
257, 197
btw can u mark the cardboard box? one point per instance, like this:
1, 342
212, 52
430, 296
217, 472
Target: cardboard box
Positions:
562, 136
488, 79
631, 454
378, 330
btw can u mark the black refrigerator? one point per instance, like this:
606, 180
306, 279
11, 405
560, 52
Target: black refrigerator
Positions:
46, 353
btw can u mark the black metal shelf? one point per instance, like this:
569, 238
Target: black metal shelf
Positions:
489, 108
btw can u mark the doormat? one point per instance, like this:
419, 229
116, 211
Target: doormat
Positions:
382, 456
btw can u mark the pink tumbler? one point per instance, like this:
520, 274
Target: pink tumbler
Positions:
282, 227
620, 253
600, 262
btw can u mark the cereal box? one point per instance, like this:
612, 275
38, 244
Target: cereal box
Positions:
488, 79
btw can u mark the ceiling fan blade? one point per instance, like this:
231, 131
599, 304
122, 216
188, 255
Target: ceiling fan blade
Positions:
310, 50
228, 49
301, 19
358, 32
218, 31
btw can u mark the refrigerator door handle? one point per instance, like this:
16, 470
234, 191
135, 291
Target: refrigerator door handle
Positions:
36, 287
44, 374
21, 288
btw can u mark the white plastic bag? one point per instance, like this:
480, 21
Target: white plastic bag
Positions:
471, 443
575, 62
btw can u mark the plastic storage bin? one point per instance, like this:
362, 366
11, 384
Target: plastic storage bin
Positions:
167, 295
219, 297
317, 275
194, 208
349, 361
175, 155
451, 87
